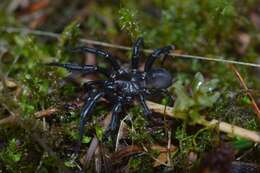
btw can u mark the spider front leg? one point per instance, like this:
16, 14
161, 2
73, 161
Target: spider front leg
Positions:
99, 52
87, 109
82, 68
136, 53
156, 54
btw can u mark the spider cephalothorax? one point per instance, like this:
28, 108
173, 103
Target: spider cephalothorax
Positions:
122, 86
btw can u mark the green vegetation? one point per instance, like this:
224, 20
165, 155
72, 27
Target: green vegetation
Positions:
202, 89
11, 155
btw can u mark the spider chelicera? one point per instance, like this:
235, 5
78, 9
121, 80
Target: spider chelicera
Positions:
122, 86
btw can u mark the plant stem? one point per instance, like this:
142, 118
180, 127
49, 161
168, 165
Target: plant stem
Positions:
223, 126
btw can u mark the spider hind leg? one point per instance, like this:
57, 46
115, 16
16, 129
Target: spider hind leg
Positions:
156, 54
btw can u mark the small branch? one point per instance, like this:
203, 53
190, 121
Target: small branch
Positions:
52, 110
237, 131
46, 113
12, 119
223, 126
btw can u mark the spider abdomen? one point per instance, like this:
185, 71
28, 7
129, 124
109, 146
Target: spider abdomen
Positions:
158, 78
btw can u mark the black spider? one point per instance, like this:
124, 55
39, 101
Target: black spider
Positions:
122, 86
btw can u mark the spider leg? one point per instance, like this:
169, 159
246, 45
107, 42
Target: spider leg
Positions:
117, 108
82, 68
87, 109
156, 54
147, 111
108, 56
89, 85
136, 53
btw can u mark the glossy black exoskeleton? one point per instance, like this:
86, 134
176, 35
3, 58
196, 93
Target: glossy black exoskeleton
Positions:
122, 86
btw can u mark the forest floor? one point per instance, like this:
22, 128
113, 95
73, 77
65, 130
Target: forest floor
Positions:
213, 124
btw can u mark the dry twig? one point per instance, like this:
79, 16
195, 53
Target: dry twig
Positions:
46, 113
223, 126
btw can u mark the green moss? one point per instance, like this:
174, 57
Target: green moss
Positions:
69, 38
197, 143
138, 133
140, 164
230, 109
198, 27
11, 155
28, 69
128, 21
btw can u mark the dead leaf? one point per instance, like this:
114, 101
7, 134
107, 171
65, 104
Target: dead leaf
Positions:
134, 149
244, 40
162, 159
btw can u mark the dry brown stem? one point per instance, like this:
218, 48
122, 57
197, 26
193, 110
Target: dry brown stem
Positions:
46, 113
242, 82
12, 119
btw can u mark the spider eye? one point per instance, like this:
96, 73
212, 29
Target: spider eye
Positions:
158, 78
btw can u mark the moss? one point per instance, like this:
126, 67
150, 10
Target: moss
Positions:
11, 155
207, 28
138, 132
128, 21
140, 164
